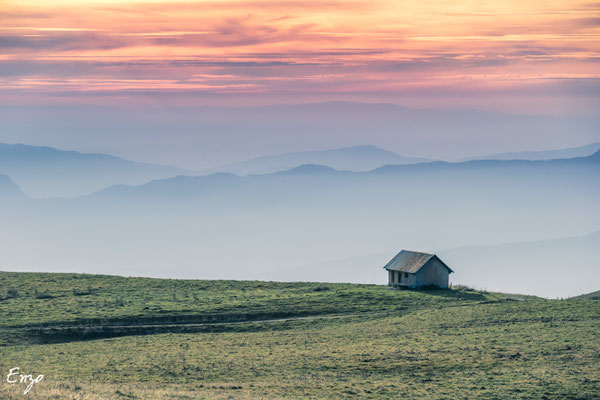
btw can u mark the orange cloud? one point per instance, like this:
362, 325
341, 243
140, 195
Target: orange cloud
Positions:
332, 48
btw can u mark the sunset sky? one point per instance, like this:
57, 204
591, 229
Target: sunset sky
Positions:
513, 55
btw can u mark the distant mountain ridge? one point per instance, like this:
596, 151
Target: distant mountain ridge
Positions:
9, 189
357, 158
201, 138
490, 163
571, 152
476, 169
49, 172
227, 226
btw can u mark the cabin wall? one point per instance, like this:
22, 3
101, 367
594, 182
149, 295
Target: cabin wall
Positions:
433, 273
400, 278
411, 280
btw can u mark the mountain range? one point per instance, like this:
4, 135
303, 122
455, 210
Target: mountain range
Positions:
228, 226
9, 190
357, 158
581, 151
495, 172
202, 137
48, 172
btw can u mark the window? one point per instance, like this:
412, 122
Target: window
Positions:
406, 274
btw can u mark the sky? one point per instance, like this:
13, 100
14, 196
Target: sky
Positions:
199, 84
516, 56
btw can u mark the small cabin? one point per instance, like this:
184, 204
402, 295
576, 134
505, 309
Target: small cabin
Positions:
415, 270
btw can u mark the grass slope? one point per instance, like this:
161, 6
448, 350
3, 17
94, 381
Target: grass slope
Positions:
105, 337
593, 295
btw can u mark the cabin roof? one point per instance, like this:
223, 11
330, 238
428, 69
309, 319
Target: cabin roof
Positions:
411, 261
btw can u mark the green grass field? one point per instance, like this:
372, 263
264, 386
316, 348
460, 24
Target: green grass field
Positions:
104, 337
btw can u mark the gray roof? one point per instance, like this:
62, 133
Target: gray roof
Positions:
411, 261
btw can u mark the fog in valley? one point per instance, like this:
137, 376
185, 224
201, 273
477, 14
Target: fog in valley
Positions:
513, 226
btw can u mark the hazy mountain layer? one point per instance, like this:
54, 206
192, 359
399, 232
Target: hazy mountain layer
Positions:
47, 172
199, 138
581, 151
9, 190
226, 226
358, 158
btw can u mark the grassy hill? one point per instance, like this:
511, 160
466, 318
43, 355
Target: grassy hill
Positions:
593, 295
107, 337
